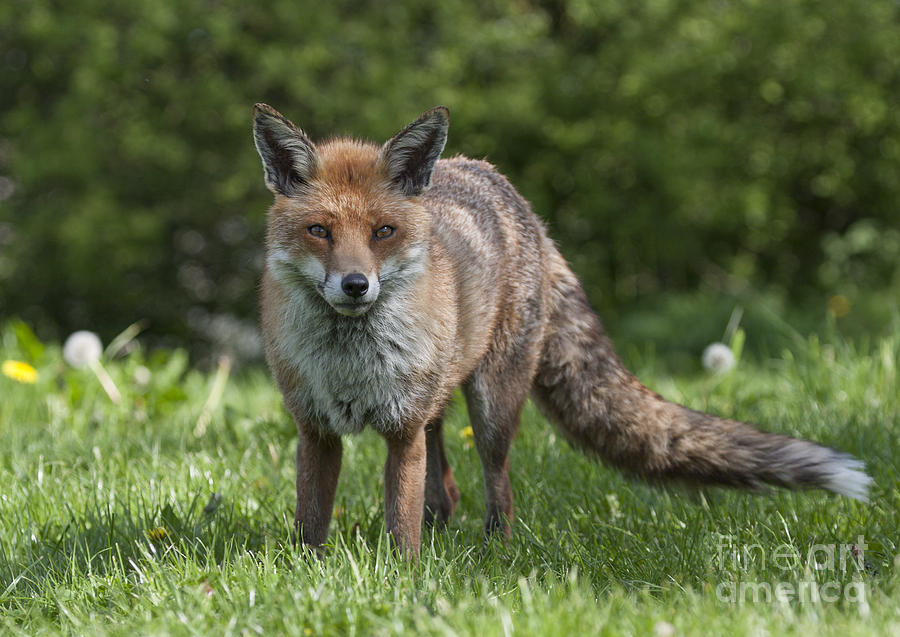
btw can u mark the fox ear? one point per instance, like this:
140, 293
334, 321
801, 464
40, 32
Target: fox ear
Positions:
289, 159
410, 155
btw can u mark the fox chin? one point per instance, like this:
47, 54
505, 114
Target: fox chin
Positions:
393, 276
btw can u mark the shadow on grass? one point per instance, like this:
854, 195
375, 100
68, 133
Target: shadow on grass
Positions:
120, 540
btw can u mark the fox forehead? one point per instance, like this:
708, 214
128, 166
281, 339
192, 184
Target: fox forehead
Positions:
349, 188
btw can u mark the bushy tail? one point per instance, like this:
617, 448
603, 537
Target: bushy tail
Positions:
601, 408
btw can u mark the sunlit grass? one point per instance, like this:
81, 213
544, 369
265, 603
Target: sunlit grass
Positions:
129, 518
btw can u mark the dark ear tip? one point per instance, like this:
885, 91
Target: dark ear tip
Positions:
441, 112
264, 109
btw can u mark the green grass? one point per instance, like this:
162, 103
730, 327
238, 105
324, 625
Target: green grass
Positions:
85, 483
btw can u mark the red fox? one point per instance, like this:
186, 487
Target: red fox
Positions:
393, 276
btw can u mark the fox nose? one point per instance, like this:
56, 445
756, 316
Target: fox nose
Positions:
355, 284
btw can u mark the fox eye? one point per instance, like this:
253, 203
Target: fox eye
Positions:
384, 232
318, 231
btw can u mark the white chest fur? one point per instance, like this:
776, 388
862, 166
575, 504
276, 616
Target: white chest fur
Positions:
354, 371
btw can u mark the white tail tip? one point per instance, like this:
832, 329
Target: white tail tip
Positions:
848, 477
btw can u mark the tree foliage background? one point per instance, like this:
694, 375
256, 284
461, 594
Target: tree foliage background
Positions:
738, 147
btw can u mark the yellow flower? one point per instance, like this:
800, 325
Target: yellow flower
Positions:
839, 305
159, 533
467, 434
19, 371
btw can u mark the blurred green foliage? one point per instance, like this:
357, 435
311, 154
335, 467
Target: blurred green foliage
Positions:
671, 144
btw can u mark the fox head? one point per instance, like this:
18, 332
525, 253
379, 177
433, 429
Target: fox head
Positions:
346, 222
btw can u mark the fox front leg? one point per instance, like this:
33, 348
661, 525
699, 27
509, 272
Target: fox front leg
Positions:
318, 468
404, 490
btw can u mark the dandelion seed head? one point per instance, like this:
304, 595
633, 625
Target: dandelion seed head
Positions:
142, 375
663, 629
718, 358
82, 348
